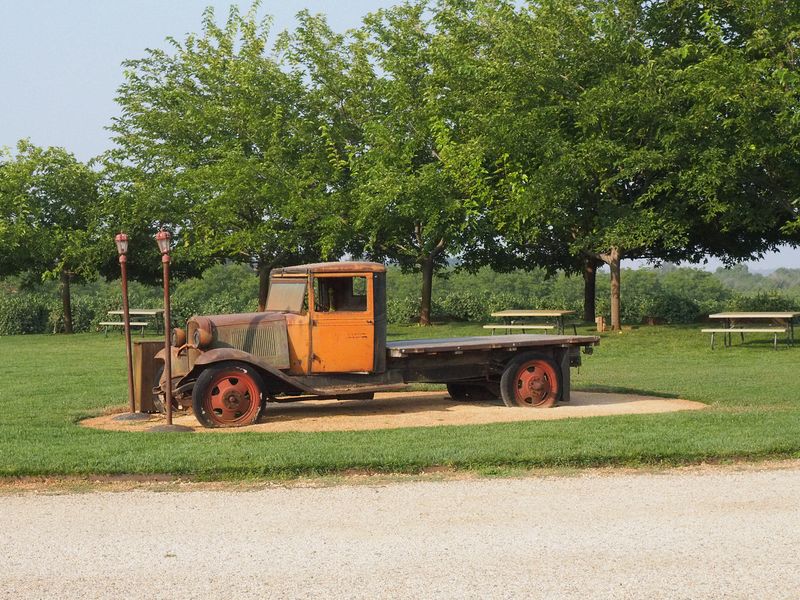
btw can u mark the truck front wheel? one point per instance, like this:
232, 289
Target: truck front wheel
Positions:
531, 380
228, 394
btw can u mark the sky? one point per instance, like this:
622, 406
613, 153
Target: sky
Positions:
60, 64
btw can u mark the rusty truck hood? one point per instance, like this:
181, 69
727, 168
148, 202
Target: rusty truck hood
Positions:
243, 319
262, 334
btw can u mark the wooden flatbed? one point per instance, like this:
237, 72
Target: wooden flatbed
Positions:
483, 359
403, 348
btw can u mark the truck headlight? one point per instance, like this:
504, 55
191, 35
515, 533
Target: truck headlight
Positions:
201, 338
178, 337
200, 332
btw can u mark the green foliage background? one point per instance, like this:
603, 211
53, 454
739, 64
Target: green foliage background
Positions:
667, 295
560, 135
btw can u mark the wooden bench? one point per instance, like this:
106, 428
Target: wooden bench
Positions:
742, 330
107, 324
523, 327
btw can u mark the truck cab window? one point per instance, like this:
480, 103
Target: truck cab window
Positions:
287, 296
340, 294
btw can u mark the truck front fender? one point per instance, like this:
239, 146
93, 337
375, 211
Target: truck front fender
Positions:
225, 354
179, 362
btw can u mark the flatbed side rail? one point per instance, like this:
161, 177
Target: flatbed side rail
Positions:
510, 343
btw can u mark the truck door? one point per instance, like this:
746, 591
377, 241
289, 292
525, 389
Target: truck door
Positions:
342, 323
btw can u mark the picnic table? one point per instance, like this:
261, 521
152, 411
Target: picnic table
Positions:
774, 322
149, 313
511, 320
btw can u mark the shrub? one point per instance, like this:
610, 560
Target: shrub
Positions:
221, 289
182, 309
226, 303
403, 310
87, 311
23, 313
672, 309
478, 306
461, 306
763, 301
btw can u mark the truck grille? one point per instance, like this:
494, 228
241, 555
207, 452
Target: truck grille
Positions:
269, 343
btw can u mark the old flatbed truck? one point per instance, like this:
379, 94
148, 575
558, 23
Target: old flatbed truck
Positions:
323, 334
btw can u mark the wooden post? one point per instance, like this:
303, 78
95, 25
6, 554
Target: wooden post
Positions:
144, 373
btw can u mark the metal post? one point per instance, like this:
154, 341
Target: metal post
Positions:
163, 238
122, 248
167, 344
127, 325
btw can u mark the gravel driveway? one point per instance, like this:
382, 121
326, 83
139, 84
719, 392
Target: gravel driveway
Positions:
708, 534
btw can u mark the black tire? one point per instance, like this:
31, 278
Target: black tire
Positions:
531, 380
237, 403
470, 392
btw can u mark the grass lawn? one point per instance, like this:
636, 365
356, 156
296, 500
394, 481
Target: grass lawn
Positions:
51, 382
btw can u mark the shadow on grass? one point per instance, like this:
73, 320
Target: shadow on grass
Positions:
614, 389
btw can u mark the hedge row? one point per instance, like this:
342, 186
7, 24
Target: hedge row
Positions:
26, 313
222, 289
681, 296
636, 308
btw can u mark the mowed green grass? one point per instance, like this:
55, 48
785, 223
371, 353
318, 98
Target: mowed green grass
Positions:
49, 383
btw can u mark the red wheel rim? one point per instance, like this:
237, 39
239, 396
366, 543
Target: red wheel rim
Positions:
232, 398
536, 384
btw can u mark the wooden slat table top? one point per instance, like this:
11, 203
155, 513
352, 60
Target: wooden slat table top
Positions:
532, 313
139, 311
754, 315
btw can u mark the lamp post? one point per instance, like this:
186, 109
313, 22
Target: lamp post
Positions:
121, 240
163, 239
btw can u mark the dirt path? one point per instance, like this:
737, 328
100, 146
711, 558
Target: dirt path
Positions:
710, 533
415, 409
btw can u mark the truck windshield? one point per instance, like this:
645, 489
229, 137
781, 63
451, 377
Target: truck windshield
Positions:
286, 296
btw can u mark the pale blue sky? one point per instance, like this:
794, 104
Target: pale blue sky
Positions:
60, 59
60, 63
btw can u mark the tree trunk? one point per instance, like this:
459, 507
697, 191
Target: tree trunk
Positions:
614, 263
589, 289
263, 286
66, 301
427, 289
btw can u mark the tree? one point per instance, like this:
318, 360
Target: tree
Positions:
615, 147
48, 217
556, 205
415, 188
733, 128
516, 75
217, 143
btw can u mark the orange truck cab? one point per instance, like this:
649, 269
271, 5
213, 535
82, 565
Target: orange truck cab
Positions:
335, 316
323, 334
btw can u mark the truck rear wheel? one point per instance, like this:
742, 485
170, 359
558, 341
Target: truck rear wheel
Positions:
228, 394
531, 380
